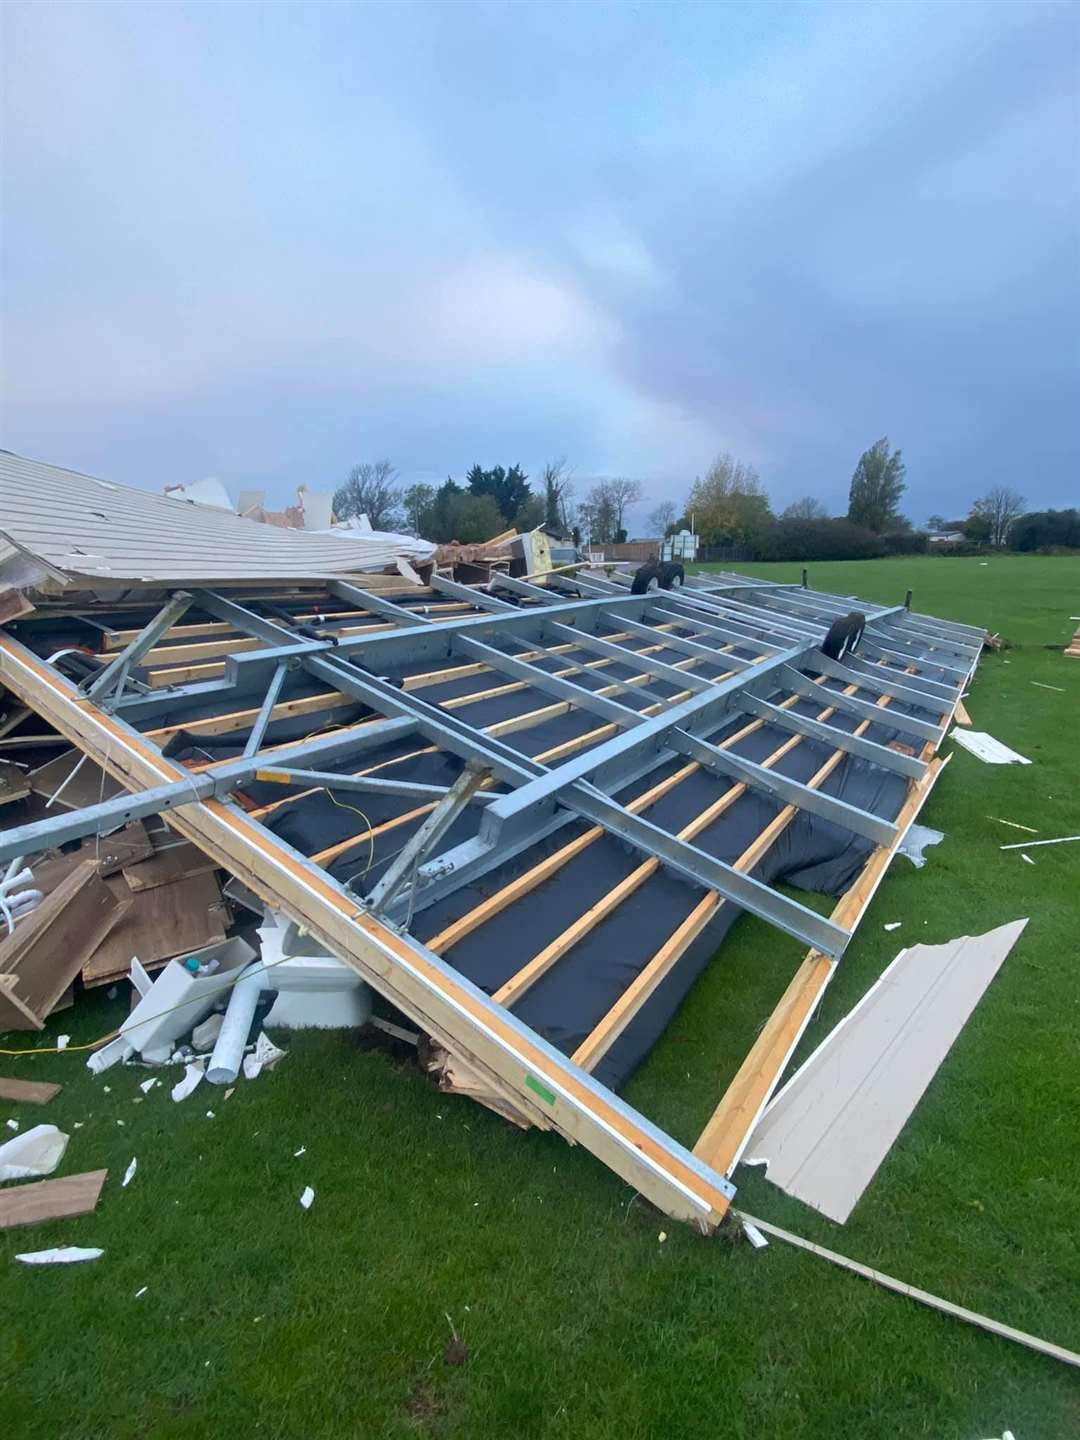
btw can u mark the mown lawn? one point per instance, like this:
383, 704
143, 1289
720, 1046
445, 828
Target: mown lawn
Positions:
262, 1320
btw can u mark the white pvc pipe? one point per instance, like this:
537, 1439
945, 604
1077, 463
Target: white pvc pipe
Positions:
228, 1052
9, 882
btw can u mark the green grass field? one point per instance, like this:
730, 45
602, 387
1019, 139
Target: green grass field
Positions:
261, 1320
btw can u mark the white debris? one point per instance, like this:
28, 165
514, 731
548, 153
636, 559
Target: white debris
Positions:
1028, 858
917, 839
192, 1075
63, 1041
985, 747
662, 1236
62, 1255
754, 1235
12, 1124
307, 1198
265, 1057
301, 1151
148, 1085
110, 1054
36, 1152
129, 1173
140, 1293
893, 925
210, 1115
207, 1031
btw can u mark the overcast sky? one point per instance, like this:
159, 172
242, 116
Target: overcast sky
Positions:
262, 242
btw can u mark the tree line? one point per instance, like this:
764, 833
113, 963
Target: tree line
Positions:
488, 502
728, 507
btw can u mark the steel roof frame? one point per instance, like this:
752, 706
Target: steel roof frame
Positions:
541, 1081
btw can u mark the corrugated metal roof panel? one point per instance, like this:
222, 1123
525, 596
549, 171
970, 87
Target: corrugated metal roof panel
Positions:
99, 530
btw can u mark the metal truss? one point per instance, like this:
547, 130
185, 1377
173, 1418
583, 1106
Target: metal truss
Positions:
665, 675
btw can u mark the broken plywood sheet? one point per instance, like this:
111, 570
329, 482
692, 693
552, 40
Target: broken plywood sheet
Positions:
48, 949
14, 783
159, 923
89, 786
164, 867
832, 1124
50, 1199
108, 853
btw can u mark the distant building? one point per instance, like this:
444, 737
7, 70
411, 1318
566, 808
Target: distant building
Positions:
683, 546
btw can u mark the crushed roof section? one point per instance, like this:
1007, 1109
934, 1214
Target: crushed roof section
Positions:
95, 529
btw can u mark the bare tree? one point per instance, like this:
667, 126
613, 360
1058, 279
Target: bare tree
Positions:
622, 493
370, 489
416, 502
597, 515
998, 509
558, 494
662, 518
805, 509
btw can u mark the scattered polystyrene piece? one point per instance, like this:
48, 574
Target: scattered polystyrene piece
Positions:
34, 1153
307, 1197
987, 748
917, 839
148, 1085
140, 1293
207, 1031
301, 1151
63, 1041
12, 1124
265, 1057
129, 1173
830, 1127
1032, 844
139, 977
61, 1255
1028, 858
894, 925
192, 1075
109, 1055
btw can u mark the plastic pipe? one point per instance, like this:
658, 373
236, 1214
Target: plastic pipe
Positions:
229, 1047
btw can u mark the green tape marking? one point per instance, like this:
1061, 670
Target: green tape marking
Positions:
540, 1088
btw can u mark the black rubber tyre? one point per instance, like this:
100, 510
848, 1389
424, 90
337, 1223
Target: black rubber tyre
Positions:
835, 643
647, 577
672, 575
857, 624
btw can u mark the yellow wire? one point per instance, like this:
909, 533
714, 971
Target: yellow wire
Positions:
371, 838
